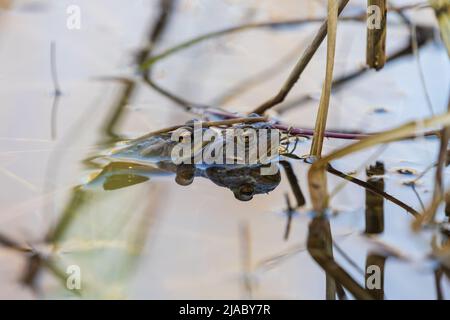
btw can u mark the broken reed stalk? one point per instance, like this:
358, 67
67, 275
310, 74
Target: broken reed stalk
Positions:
300, 66
438, 192
317, 173
376, 33
321, 249
322, 113
374, 202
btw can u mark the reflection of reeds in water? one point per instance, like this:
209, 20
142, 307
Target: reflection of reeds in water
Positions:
246, 259
375, 203
320, 248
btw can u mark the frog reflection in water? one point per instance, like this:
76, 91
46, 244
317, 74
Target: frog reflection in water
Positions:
135, 163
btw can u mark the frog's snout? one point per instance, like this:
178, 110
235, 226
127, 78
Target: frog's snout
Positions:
245, 192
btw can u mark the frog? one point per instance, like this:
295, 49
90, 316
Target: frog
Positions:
243, 180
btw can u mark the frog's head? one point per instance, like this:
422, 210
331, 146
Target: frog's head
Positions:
244, 182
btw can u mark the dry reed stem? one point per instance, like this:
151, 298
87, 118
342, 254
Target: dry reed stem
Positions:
322, 113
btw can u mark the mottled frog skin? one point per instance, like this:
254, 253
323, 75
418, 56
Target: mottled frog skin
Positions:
243, 180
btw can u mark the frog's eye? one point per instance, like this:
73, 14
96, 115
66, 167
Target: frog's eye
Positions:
185, 175
245, 192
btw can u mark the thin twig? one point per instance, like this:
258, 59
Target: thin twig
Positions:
322, 113
56, 89
373, 189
